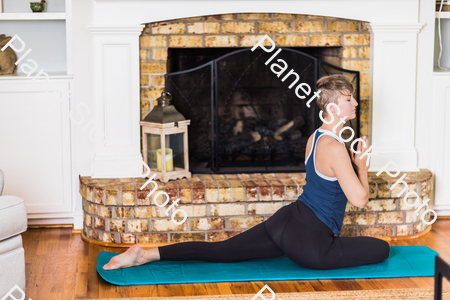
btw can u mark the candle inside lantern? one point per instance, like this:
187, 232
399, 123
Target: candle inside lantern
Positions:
169, 160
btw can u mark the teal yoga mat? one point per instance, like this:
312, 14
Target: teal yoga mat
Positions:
403, 261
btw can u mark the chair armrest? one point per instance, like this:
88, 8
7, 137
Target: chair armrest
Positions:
13, 216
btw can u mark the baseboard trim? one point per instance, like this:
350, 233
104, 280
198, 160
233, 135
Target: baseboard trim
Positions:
50, 226
50, 221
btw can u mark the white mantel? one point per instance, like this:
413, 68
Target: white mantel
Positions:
143, 11
394, 29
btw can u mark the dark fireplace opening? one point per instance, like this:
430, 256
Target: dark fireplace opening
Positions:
245, 118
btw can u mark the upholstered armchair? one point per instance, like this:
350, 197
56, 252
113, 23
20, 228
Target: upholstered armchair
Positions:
13, 221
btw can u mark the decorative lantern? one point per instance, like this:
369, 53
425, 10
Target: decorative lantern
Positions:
164, 135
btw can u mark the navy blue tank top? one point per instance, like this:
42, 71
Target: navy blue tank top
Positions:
321, 193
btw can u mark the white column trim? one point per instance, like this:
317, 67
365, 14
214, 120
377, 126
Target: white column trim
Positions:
114, 29
377, 27
393, 93
116, 101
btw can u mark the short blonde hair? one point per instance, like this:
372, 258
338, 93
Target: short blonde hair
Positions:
331, 88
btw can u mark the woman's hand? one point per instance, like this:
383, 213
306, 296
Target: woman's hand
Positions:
361, 163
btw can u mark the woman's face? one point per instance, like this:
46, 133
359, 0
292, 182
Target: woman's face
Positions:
348, 105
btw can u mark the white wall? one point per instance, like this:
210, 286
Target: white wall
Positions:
46, 47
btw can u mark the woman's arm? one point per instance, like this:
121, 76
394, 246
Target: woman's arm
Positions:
360, 165
354, 185
362, 176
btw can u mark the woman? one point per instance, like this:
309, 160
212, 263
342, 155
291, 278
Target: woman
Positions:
307, 230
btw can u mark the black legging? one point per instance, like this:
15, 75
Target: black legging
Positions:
294, 231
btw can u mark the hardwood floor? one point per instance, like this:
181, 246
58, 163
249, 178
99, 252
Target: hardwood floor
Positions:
59, 265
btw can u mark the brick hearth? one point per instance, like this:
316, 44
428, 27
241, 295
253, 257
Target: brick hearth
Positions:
221, 206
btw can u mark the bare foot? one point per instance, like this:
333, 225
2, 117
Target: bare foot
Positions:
134, 256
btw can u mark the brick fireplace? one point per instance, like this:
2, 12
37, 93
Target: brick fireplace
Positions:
220, 206
348, 42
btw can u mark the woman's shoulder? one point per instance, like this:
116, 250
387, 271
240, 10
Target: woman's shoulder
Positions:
325, 138
327, 142
329, 145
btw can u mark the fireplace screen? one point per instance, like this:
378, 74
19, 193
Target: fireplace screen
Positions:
244, 118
